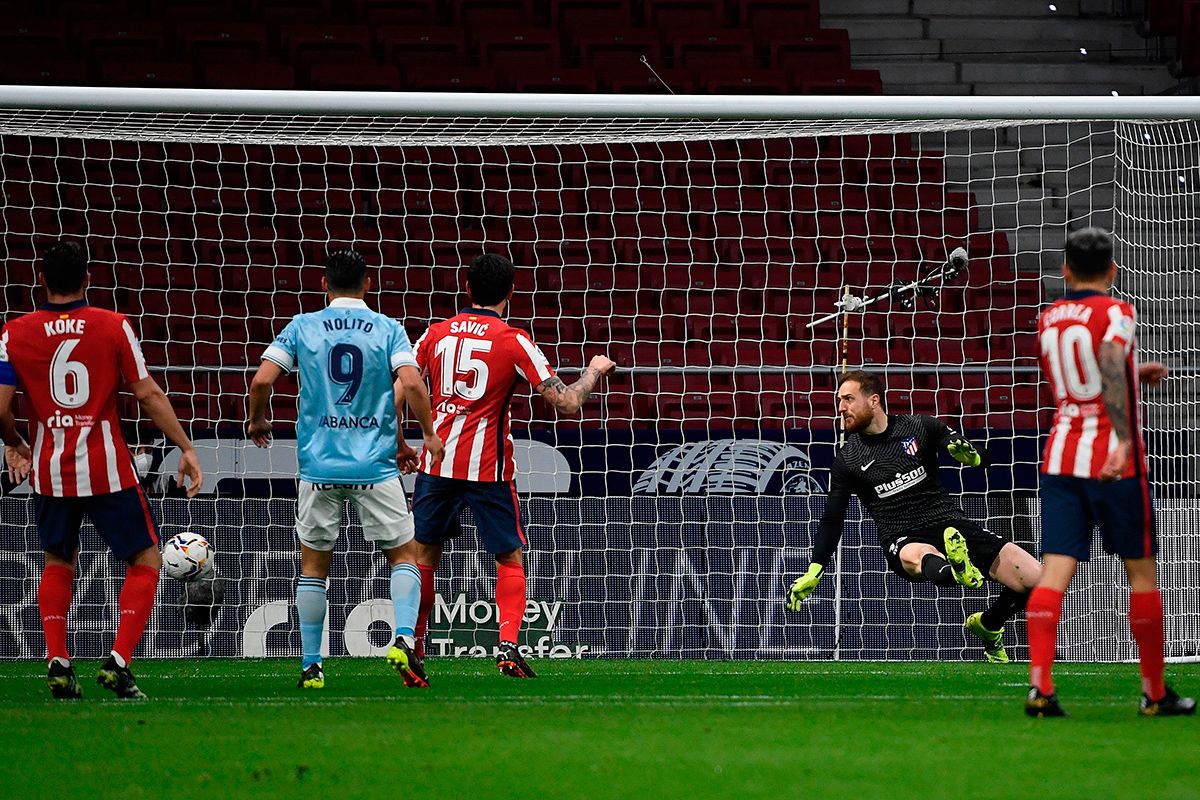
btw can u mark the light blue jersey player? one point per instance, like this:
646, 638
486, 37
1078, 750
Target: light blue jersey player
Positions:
354, 366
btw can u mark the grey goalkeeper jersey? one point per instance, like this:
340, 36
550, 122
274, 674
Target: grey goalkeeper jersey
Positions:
895, 475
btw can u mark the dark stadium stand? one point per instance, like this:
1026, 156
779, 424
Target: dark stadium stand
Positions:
675, 260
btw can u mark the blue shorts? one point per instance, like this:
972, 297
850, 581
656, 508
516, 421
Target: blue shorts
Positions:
123, 520
1073, 507
438, 501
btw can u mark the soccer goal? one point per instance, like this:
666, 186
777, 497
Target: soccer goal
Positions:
733, 254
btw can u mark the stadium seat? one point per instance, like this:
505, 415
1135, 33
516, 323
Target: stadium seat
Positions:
414, 46
324, 43
453, 78
575, 16
120, 72
110, 42
249, 76
773, 19
520, 49
855, 81
708, 48
824, 50
673, 15
557, 81
731, 80
621, 48
224, 42
277, 12
355, 77
396, 12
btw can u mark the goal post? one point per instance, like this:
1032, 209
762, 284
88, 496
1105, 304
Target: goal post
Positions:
731, 253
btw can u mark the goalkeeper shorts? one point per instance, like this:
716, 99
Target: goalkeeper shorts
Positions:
982, 545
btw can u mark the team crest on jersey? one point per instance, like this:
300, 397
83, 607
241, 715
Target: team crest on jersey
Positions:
909, 445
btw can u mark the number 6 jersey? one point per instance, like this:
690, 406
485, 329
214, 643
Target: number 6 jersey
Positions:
346, 355
1070, 332
72, 359
474, 361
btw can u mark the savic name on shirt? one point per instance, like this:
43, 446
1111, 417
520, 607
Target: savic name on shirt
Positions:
71, 361
346, 355
1070, 332
474, 362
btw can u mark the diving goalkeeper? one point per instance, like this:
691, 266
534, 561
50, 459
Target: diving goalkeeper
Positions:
891, 463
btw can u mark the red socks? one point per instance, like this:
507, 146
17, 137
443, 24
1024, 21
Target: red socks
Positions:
54, 601
1146, 625
427, 595
510, 598
1042, 613
137, 600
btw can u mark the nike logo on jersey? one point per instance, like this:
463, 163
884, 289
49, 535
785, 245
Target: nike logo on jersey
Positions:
867, 465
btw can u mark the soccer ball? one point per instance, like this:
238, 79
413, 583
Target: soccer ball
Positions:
188, 557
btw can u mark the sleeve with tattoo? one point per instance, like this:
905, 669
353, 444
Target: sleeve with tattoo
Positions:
1115, 388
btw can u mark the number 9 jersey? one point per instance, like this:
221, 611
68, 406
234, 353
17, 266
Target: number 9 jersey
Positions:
474, 361
346, 356
1070, 332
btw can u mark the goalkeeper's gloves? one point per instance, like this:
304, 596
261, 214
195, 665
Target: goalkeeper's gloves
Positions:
964, 452
803, 586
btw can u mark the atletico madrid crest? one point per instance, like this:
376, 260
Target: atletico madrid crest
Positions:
909, 445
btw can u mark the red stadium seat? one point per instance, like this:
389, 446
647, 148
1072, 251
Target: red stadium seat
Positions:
325, 43
855, 81
827, 49
671, 15
775, 19
224, 42
454, 79
111, 41
147, 73
249, 76
356, 77
519, 49
396, 12
730, 80
710, 48
414, 46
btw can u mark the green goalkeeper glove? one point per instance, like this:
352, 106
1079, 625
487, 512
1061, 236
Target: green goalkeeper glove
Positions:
803, 586
964, 452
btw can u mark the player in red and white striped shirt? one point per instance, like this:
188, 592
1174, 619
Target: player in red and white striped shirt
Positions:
475, 361
71, 360
1094, 469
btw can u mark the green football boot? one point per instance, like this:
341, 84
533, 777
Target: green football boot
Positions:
411, 667
993, 641
312, 678
964, 571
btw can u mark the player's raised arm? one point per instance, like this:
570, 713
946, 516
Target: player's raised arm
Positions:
954, 443
569, 399
829, 533
411, 386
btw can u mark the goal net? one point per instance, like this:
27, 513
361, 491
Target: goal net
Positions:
706, 255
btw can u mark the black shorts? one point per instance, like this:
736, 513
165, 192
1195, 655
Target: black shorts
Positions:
983, 545
123, 520
437, 502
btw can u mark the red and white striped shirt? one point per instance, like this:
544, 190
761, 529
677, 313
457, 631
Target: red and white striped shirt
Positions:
474, 361
1071, 331
71, 360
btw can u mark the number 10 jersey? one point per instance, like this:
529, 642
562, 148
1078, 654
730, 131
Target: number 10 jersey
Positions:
474, 361
1070, 332
346, 356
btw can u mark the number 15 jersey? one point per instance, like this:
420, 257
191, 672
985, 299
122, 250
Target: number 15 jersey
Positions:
346, 355
474, 361
1070, 332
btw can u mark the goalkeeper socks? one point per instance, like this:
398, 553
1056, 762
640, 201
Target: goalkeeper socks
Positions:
1146, 625
310, 607
936, 569
1003, 608
427, 595
137, 600
406, 599
510, 598
1042, 613
54, 601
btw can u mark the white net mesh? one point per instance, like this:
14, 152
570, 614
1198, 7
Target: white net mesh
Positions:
665, 520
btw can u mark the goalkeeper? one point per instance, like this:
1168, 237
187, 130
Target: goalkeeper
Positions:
891, 463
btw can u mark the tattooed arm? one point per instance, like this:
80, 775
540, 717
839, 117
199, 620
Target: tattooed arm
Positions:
569, 399
1115, 390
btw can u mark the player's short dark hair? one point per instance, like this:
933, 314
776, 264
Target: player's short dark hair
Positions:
1089, 252
868, 382
65, 267
345, 271
490, 279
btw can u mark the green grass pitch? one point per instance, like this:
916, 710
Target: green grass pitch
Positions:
603, 729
